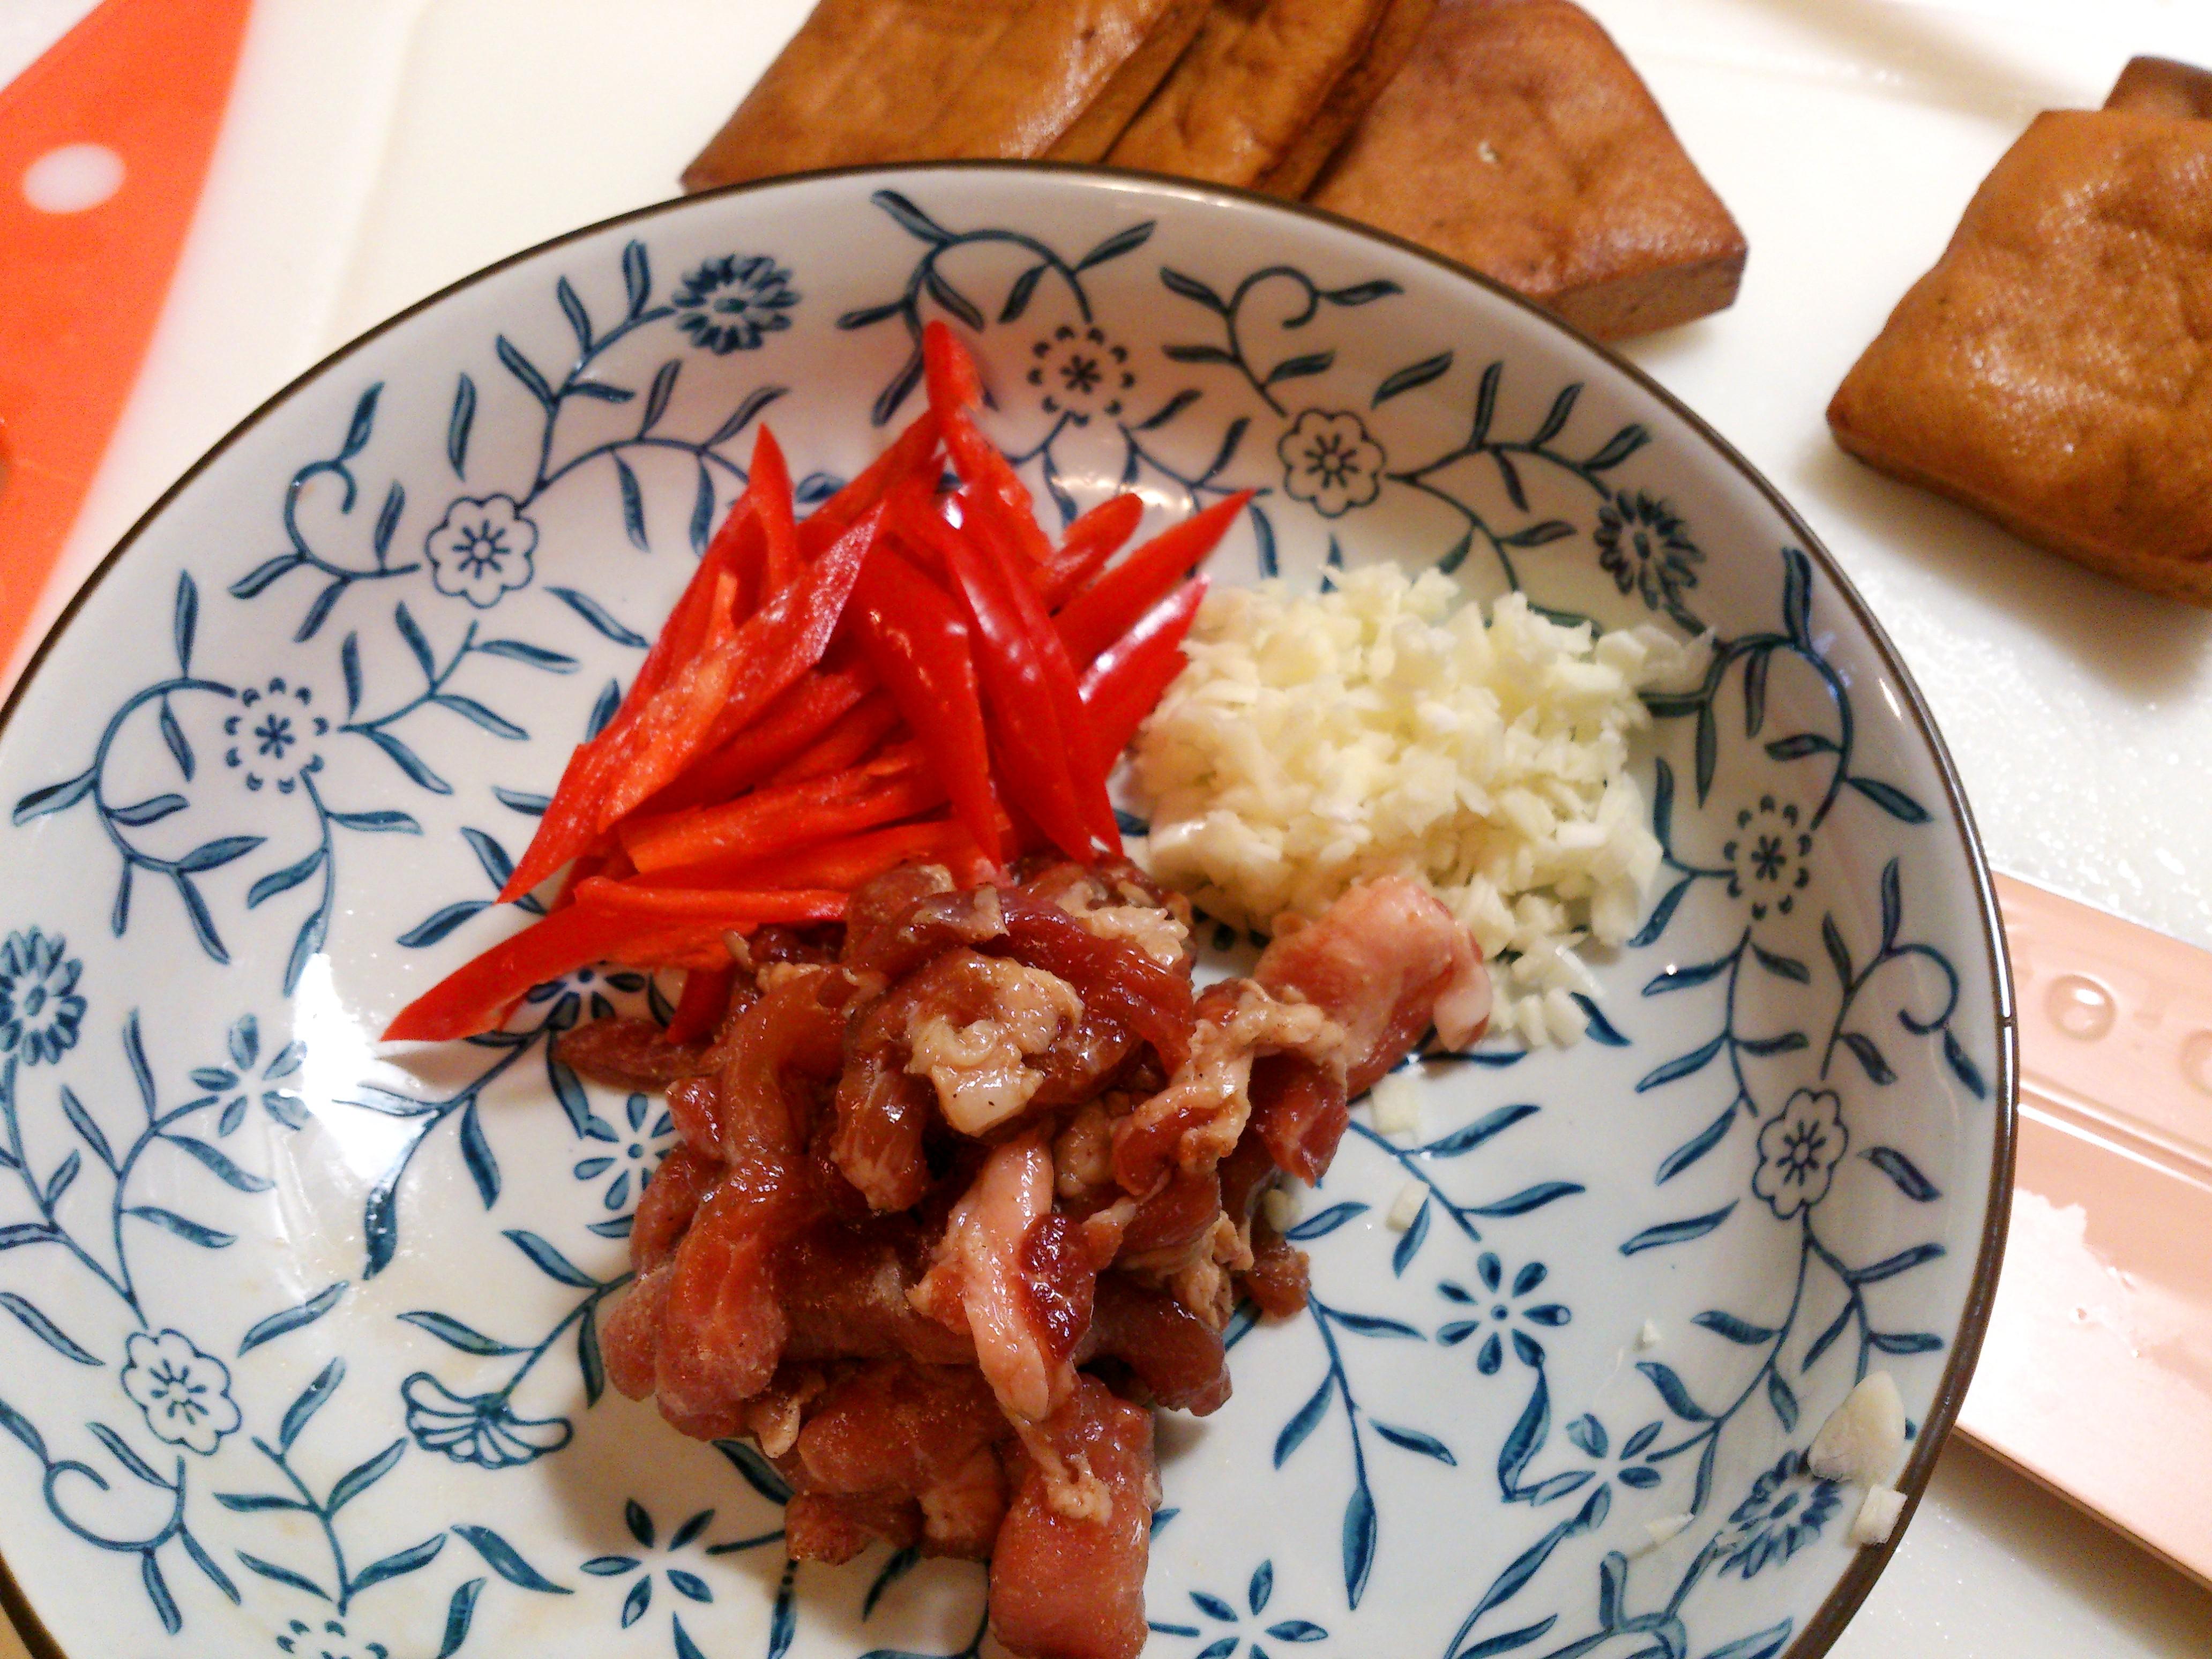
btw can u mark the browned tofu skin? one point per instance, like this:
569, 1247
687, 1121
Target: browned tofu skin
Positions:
1255, 77
866, 81
2049, 371
2160, 85
1388, 49
1109, 113
1519, 140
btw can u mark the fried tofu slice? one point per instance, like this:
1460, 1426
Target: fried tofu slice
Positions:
1258, 73
1117, 103
1517, 140
2160, 85
870, 81
2050, 371
1392, 43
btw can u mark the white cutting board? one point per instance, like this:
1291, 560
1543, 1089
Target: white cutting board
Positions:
376, 152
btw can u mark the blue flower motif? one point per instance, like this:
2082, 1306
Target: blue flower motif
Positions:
1257, 1593
1589, 1435
1329, 461
1768, 857
481, 1429
689, 1585
636, 1155
40, 1008
1646, 549
1504, 1308
1785, 1511
733, 303
185, 1394
1799, 1148
481, 550
273, 735
1081, 373
330, 1642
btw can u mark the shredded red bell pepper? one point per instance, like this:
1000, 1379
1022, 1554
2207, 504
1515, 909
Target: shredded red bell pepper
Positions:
920, 647
1108, 607
901, 675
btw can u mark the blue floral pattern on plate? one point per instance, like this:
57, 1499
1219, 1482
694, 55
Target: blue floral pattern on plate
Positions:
302, 1336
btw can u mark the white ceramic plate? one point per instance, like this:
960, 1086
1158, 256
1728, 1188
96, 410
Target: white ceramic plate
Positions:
299, 1352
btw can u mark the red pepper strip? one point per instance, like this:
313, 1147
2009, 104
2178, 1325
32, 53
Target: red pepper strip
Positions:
855, 736
922, 650
705, 703
955, 386
1113, 979
770, 488
1170, 618
720, 906
706, 999
1033, 753
954, 389
775, 821
474, 996
913, 454
1090, 541
737, 548
801, 619
999, 495
1131, 675
785, 728
844, 863
579, 813
1108, 607
1087, 777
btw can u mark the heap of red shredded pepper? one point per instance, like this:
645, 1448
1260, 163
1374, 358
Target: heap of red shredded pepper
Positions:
908, 673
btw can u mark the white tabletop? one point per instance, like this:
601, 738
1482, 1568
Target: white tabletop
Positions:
374, 153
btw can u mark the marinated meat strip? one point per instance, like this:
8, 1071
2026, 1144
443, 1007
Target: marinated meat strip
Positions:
960, 1198
1386, 961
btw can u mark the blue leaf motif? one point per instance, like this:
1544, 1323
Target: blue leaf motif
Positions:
1413, 1440
1664, 912
1734, 1329
1492, 1123
1303, 1422
1678, 1232
1510, 1641
192, 1232
1890, 1267
1409, 1243
291, 1319
504, 1560
1892, 800
601, 620
1762, 1644
549, 1261
1674, 1391
1904, 1173
1681, 1066
45, 1330
1326, 1222
271, 1571
1528, 1199
460, 1611
1696, 1147
310, 1400
1360, 1526
1525, 1439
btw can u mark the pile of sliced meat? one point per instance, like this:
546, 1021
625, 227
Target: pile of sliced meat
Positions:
969, 1186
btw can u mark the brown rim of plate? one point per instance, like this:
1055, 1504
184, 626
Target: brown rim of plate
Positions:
1835, 1611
